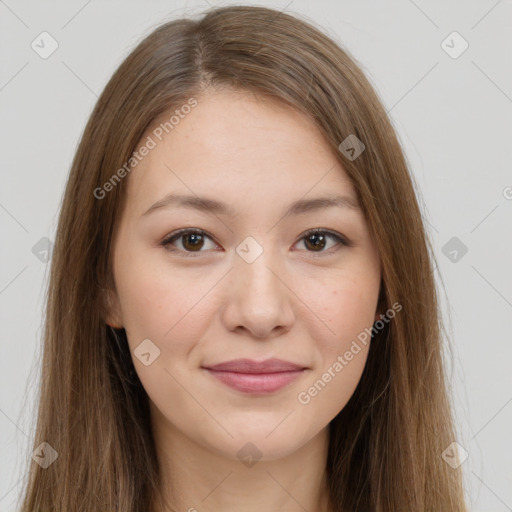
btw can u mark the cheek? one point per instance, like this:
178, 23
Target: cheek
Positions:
342, 350
348, 307
146, 303
141, 293
168, 306
167, 310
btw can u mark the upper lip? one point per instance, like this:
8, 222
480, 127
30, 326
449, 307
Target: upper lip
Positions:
251, 366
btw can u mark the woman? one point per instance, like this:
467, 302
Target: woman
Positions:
242, 312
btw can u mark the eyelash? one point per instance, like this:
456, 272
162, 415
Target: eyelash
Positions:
166, 243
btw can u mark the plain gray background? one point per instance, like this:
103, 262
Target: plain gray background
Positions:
453, 114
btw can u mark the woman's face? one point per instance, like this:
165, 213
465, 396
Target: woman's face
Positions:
250, 282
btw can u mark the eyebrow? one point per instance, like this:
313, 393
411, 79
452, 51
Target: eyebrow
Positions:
213, 206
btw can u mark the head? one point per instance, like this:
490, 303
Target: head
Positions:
256, 111
256, 286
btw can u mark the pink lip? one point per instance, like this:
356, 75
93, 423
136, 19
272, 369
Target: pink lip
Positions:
255, 377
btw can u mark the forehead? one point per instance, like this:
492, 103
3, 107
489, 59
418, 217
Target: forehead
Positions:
242, 148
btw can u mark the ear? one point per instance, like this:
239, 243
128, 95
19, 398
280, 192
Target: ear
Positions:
112, 309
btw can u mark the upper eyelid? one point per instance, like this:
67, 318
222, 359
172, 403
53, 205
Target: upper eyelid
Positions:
185, 231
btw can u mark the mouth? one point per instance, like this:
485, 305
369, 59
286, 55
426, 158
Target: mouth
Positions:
253, 377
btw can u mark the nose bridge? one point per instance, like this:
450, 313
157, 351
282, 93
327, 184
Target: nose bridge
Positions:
258, 298
257, 267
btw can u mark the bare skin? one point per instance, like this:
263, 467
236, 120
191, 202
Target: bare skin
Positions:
295, 301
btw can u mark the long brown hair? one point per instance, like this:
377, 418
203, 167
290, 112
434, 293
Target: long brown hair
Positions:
386, 444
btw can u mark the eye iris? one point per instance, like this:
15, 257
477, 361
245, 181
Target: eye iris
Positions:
318, 241
197, 241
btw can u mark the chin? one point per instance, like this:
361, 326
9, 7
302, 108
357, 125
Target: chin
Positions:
259, 442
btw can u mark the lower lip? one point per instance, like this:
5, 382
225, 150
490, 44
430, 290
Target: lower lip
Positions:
256, 383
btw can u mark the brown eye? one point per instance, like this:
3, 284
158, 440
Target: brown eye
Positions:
191, 241
317, 240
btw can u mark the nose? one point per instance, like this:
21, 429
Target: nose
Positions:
257, 297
